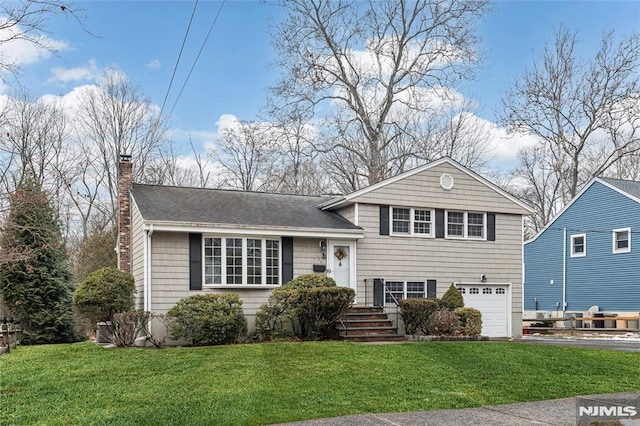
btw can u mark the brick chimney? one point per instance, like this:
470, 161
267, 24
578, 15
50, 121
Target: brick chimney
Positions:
125, 179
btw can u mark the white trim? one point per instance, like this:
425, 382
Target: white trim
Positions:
335, 202
346, 234
613, 237
574, 199
572, 246
356, 213
465, 226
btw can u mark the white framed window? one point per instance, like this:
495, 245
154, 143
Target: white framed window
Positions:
398, 290
471, 225
241, 261
412, 221
622, 240
579, 245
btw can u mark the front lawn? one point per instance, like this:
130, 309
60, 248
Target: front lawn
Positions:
281, 382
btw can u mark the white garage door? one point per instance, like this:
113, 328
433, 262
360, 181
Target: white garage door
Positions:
493, 302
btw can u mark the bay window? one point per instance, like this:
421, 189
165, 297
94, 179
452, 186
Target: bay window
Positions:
241, 261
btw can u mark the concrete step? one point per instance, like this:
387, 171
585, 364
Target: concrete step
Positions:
366, 323
366, 316
366, 309
368, 331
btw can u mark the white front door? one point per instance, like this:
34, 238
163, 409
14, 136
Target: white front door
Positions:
341, 257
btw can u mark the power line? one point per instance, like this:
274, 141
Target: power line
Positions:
197, 57
175, 68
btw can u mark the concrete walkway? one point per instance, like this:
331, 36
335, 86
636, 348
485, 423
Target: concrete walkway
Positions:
553, 412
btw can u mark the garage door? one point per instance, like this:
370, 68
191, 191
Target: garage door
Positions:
493, 302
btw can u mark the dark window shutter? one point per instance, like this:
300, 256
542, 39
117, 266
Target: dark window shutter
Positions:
439, 223
384, 220
378, 292
195, 261
287, 259
431, 289
491, 226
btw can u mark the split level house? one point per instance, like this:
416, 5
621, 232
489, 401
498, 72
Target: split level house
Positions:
412, 235
587, 259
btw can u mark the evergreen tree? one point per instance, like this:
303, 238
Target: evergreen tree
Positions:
96, 252
37, 284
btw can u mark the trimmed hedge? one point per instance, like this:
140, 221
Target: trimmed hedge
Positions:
443, 322
416, 312
452, 298
470, 321
208, 319
311, 303
104, 293
310, 281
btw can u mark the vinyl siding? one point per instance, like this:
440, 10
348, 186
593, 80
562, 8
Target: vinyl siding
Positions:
170, 276
601, 278
423, 190
445, 260
306, 253
137, 257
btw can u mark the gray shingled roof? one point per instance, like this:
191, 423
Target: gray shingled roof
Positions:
224, 207
631, 187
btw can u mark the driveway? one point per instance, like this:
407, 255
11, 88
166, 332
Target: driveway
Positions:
608, 343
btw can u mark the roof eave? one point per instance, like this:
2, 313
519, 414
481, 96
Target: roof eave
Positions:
252, 229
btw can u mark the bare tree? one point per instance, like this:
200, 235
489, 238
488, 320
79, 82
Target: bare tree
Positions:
585, 113
536, 180
246, 153
169, 169
116, 118
373, 73
25, 21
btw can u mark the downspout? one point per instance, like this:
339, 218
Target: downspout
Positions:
564, 270
148, 293
145, 277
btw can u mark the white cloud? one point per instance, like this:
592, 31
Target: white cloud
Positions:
87, 72
22, 52
154, 65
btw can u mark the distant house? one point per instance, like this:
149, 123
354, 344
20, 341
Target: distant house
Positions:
589, 254
409, 236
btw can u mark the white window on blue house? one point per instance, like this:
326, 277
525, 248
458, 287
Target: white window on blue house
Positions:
621, 240
579, 245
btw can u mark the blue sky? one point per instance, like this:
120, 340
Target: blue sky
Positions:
143, 38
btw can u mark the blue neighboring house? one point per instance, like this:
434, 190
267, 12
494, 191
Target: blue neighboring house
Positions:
589, 254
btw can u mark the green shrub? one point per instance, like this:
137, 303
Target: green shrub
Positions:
321, 307
310, 281
269, 320
443, 322
104, 293
208, 319
311, 303
416, 312
470, 321
452, 298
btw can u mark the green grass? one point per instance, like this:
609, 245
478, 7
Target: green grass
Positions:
281, 382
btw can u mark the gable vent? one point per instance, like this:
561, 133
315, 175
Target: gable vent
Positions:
446, 181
